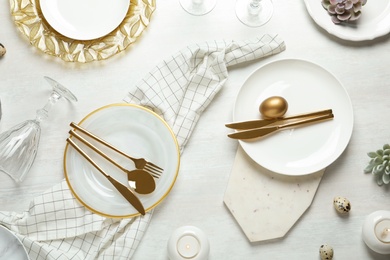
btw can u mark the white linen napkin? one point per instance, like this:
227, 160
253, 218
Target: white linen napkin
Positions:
57, 226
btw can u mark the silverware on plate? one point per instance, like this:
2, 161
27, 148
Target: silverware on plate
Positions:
126, 192
263, 131
144, 182
246, 125
140, 163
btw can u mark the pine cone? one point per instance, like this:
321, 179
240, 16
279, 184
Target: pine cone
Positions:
344, 10
379, 165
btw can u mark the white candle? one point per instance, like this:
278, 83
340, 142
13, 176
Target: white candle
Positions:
382, 230
376, 231
188, 246
188, 243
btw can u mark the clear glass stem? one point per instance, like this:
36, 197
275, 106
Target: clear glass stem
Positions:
43, 113
254, 7
254, 13
198, 7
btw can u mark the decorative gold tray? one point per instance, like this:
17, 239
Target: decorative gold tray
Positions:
30, 21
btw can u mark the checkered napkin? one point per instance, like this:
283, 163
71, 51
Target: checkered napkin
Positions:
56, 226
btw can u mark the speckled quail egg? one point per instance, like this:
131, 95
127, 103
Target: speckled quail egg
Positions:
341, 204
326, 252
2, 50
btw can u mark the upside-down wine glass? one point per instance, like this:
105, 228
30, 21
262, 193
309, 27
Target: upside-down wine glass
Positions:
198, 7
19, 145
254, 13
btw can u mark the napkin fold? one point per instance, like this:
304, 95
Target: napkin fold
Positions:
57, 226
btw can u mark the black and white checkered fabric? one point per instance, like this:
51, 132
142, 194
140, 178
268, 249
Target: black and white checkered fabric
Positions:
57, 226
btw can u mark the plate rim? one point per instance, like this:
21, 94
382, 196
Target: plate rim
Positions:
157, 201
49, 19
318, 66
349, 37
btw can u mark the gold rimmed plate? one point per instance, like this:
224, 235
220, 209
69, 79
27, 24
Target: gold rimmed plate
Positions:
137, 131
30, 21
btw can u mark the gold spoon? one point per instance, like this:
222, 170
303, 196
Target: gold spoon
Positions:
144, 183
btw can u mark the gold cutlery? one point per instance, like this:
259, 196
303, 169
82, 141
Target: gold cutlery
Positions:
263, 131
144, 182
140, 163
246, 125
126, 192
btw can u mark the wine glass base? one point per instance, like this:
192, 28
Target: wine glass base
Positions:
198, 7
61, 90
254, 18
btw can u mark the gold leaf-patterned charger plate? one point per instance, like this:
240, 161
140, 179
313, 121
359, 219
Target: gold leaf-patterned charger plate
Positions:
30, 21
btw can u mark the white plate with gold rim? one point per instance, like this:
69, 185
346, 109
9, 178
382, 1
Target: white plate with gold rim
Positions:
10, 246
374, 21
84, 19
135, 130
307, 87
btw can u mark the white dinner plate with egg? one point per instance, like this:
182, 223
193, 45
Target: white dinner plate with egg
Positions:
307, 87
84, 19
136, 131
373, 22
11, 248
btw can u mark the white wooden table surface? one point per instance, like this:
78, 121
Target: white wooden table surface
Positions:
197, 197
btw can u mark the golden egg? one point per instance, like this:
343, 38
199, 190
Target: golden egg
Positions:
273, 107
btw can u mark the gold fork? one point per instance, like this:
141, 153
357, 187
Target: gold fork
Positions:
144, 182
140, 163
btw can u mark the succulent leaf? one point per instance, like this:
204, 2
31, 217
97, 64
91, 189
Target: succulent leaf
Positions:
369, 168
371, 154
378, 160
386, 179
344, 17
348, 5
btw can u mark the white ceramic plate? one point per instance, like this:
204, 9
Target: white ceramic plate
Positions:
307, 87
10, 246
84, 19
374, 21
136, 131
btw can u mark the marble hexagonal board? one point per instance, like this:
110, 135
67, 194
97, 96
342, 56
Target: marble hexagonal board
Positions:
266, 204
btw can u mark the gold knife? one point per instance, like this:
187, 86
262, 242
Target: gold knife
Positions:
263, 131
263, 122
126, 192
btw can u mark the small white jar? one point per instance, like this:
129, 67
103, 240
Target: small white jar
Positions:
188, 243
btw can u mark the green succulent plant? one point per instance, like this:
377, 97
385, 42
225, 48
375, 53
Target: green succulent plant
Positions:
379, 165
